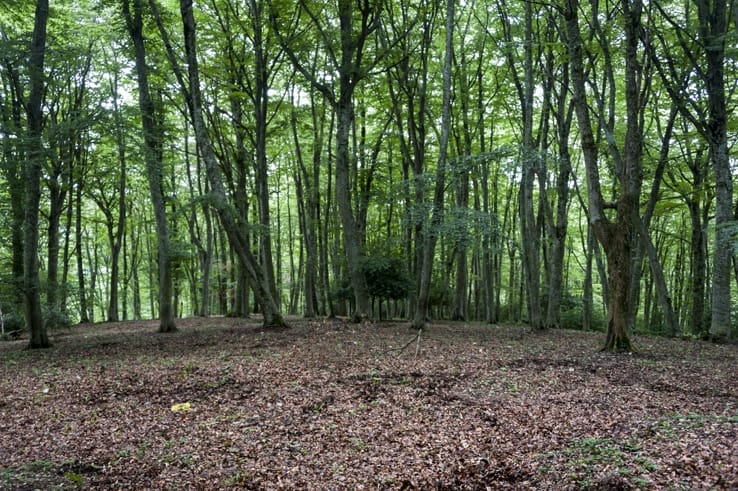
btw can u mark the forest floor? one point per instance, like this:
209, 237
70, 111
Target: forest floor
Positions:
328, 405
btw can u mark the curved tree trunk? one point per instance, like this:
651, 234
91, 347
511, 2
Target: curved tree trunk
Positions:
262, 290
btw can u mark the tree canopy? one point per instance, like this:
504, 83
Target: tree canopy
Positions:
565, 164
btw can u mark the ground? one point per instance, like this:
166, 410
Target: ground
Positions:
328, 405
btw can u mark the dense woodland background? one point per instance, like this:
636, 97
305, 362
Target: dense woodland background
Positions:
565, 163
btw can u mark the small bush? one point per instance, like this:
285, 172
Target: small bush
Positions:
56, 318
13, 323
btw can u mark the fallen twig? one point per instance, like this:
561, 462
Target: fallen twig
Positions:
402, 348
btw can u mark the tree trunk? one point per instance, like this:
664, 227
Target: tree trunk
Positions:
117, 242
152, 157
587, 296
617, 237
530, 247
238, 240
306, 184
460, 303
348, 78
57, 194
83, 307
34, 164
429, 243
260, 98
14, 156
559, 223
714, 18
619, 266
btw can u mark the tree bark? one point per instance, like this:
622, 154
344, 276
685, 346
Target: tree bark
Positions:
558, 223
270, 310
154, 170
714, 16
13, 168
117, 242
617, 237
529, 167
431, 233
34, 164
307, 206
260, 99
349, 76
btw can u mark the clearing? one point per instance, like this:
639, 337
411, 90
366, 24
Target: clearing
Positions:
328, 405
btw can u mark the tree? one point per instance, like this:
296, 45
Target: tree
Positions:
270, 310
705, 50
107, 200
618, 235
356, 25
13, 165
34, 164
411, 32
430, 238
154, 167
67, 120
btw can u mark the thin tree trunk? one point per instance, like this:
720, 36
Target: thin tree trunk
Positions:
13, 168
270, 310
57, 196
530, 250
306, 184
117, 242
430, 237
260, 98
559, 223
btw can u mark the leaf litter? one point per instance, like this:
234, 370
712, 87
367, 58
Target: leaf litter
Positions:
224, 403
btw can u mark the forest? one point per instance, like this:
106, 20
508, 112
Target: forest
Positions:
563, 164
368, 244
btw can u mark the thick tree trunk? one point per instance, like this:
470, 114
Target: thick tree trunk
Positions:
351, 239
34, 164
617, 237
714, 17
348, 78
619, 264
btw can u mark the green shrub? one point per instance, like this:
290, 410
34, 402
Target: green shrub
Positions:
55, 318
14, 323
